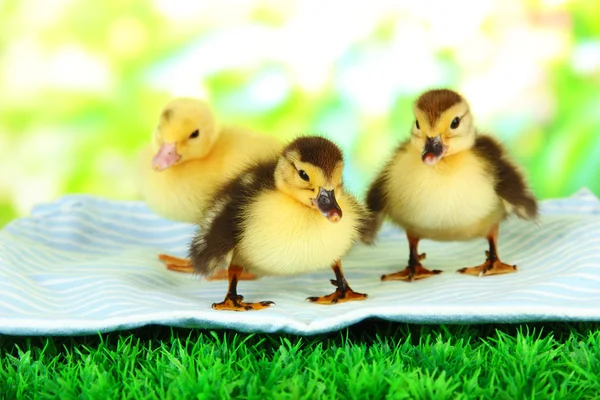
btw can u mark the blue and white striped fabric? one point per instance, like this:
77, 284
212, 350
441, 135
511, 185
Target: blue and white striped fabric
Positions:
83, 265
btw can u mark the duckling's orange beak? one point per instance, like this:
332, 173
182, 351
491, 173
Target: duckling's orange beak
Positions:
165, 157
327, 205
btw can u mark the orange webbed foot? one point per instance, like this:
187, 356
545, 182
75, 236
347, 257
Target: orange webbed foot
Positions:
489, 267
235, 303
339, 296
343, 291
410, 274
176, 264
184, 265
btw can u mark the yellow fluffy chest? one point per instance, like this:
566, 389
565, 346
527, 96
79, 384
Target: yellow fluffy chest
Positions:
284, 237
452, 200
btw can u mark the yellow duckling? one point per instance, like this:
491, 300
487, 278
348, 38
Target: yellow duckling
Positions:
448, 183
189, 157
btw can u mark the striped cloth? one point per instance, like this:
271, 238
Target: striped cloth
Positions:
83, 265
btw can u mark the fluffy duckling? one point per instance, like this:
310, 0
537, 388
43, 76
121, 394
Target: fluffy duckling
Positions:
284, 217
448, 183
189, 157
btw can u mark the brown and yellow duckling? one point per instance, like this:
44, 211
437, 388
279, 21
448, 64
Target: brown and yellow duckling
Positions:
448, 183
284, 217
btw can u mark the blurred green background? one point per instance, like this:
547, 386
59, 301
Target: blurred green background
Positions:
82, 83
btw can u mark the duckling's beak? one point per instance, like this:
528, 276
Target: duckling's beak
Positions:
165, 157
327, 205
433, 150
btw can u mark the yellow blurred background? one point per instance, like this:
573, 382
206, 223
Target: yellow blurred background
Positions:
82, 83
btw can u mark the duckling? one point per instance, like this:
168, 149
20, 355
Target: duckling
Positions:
189, 157
448, 182
286, 216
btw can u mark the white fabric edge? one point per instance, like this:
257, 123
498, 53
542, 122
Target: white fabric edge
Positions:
213, 320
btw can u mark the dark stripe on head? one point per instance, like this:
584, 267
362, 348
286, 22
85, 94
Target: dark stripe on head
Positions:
318, 151
434, 102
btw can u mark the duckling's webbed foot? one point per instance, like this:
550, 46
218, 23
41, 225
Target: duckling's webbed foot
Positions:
343, 291
176, 263
233, 304
184, 265
411, 273
489, 267
492, 264
414, 270
233, 301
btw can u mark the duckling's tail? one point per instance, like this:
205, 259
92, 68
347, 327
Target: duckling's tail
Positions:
208, 258
371, 227
374, 203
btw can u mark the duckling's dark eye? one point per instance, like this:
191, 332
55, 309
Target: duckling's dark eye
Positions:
194, 134
455, 123
417, 124
303, 175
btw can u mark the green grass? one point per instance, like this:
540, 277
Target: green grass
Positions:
374, 359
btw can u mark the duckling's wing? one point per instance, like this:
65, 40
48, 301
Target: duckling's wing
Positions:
510, 183
212, 246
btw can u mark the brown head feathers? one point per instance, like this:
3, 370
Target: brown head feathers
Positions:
318, 151
434, 102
